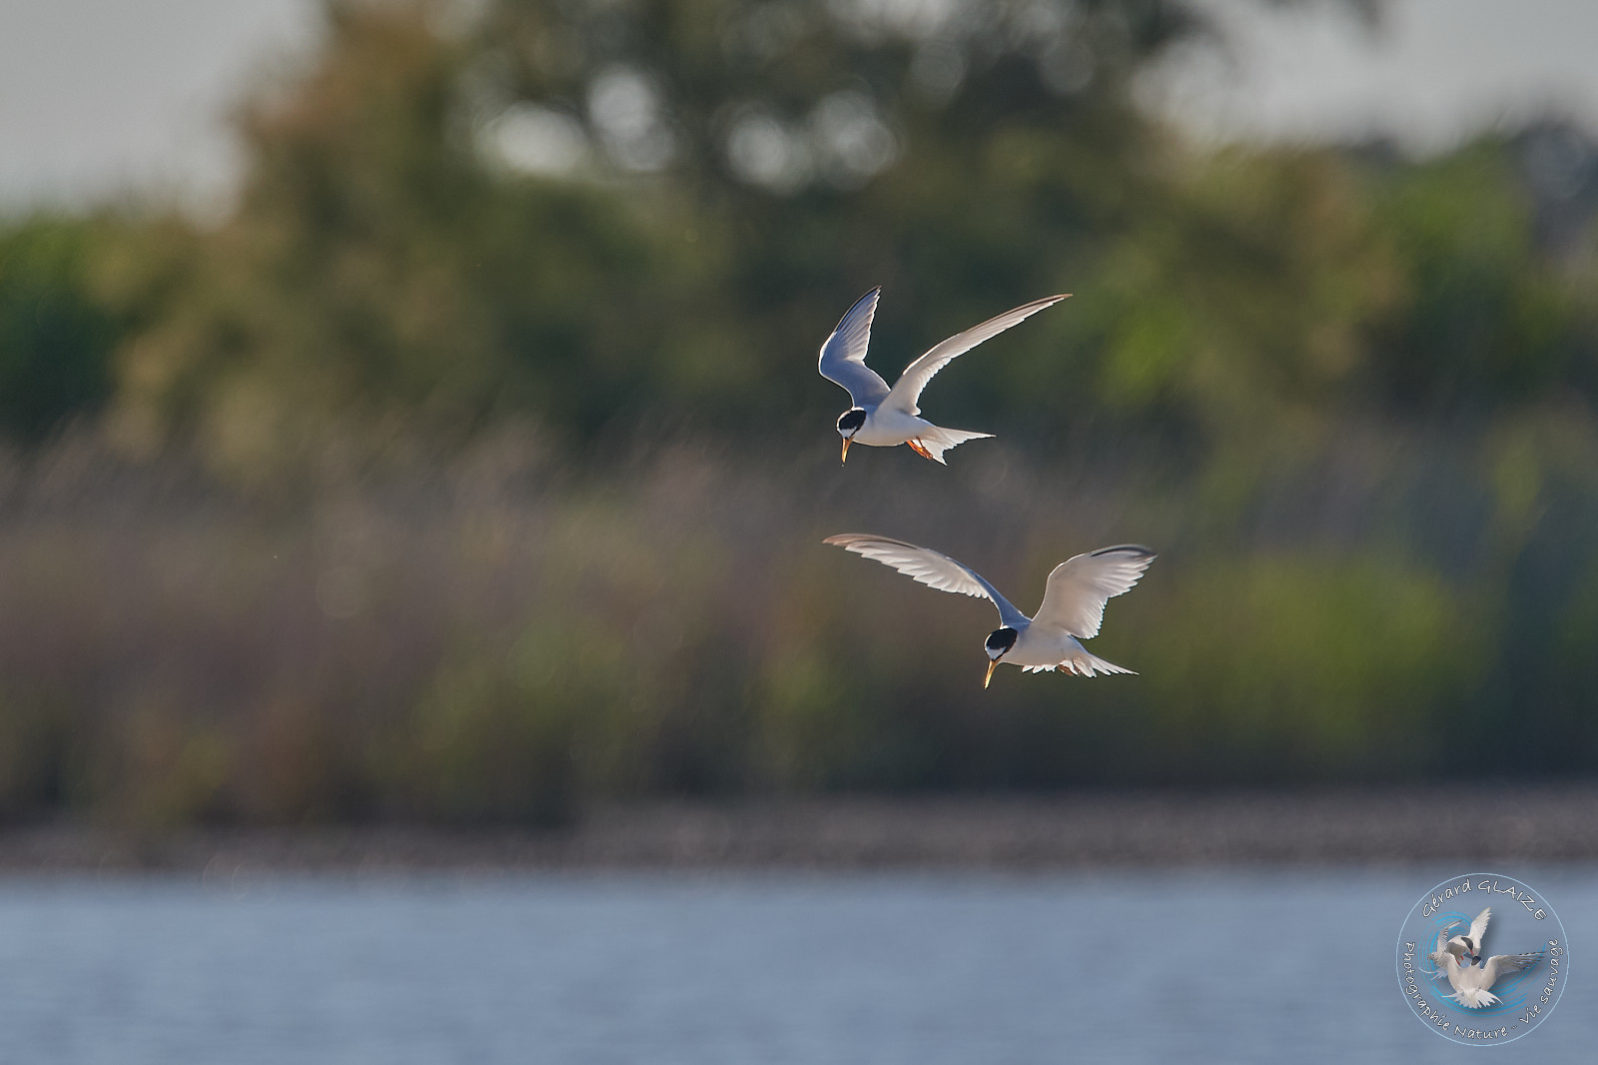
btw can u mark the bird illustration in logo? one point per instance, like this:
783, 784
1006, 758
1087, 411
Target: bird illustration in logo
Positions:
1455, 956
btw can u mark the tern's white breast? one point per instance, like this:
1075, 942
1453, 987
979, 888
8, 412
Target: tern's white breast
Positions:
887, 428
1041, 645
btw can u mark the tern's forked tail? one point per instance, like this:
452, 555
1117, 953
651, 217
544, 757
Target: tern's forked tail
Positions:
1082, 664
937, 440
1474, 997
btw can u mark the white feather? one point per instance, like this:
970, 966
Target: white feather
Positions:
843, 356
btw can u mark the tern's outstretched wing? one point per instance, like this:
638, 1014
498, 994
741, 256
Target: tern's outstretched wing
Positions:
843, 356
1501, 965
1079, 587
1478, 927
930, 568
906, 392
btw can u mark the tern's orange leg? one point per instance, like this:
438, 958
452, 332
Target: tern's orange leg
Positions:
919, 448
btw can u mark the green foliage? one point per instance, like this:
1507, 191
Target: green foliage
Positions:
494, 741
1486, 320
56, 331
1330, 667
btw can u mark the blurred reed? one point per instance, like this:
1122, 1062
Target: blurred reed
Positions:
483, 637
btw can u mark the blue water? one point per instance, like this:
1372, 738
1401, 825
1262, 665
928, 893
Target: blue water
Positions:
1156, 967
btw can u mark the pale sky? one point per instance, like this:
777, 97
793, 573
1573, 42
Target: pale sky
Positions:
1431, 72
98, 96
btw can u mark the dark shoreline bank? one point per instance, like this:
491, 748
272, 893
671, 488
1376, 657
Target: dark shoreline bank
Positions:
1485, 824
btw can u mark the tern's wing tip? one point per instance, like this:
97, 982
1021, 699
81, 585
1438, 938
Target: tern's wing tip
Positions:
845, 539
1125, 549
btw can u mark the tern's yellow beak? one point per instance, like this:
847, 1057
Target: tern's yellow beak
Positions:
992, 665
845, 457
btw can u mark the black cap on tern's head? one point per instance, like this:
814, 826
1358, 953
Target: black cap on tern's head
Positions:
999, 642
849, 423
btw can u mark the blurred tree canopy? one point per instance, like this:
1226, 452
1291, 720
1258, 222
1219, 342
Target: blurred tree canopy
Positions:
592, 213
448, 205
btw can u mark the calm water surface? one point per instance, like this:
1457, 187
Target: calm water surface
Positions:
1154, 967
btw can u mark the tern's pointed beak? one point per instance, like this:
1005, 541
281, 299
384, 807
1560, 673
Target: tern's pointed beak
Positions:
992, 665
845, 457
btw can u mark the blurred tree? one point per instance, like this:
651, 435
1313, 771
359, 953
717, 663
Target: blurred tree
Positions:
592, 211
377, 268
965, 154
56, 331
1488, 320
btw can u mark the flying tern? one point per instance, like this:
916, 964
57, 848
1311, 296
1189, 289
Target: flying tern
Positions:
1072, 608
887, 417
